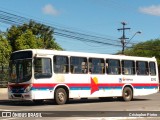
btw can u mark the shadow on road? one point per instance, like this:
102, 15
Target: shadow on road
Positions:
51, 102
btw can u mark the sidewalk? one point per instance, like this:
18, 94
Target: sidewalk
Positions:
3, 94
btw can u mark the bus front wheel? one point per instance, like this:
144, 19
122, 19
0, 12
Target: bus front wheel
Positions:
60, 96
127, 94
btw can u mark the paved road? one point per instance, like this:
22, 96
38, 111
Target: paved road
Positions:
83, 108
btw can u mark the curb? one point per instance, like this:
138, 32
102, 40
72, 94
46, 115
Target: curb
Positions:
5, 101
9, 101
4, 95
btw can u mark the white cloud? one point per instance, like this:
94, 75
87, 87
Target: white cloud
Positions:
50, 10
151, 10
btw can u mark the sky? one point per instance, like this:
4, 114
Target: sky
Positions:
99, 18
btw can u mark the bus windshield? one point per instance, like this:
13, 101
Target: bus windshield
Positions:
20, 70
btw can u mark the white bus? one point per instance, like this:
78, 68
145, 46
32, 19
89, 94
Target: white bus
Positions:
39, 74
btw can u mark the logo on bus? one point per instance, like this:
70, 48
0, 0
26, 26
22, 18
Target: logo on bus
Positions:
94, 85
125, 79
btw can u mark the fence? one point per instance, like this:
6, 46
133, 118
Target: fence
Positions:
4, 76
3, 84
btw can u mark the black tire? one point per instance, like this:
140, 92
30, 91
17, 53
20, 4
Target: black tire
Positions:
127, 94
60, 96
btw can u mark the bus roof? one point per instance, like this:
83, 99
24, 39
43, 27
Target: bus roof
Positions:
84, 54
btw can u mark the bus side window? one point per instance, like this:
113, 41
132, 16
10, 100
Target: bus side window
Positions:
84, 67
113, 66
65, 69
152, 68
78, 65
142, 68
42, 68
96, 66
128, 67
72, 69
61, 64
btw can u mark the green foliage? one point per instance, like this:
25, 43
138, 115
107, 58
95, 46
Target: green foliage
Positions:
27, 41
5, 50
149, 48
32, 35
26, 36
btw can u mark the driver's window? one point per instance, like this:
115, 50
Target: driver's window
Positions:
42, 68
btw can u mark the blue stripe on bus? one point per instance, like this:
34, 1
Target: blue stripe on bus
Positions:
108, 88
146, 87
42, 88
80, 88
89, 88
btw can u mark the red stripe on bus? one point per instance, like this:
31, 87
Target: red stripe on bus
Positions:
17, 85
89, 85
145, 84
43, 85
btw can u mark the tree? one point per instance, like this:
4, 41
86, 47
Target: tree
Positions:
32, 35
5, 50
28, 40
149, 48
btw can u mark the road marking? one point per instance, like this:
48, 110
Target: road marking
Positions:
7, 110
8, 118
97, 118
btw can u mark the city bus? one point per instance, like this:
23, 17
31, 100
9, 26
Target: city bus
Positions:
40, 74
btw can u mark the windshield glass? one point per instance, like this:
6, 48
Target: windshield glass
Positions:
20, 70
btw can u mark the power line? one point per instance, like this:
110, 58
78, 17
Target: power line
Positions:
13, 19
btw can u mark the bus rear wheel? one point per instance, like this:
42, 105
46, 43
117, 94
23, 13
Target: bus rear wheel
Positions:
127, 94
60, 96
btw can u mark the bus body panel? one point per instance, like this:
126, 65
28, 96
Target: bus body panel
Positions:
83, 85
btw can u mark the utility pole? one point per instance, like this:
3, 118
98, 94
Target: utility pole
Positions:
123, 38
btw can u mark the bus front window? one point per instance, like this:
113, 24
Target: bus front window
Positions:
20, 70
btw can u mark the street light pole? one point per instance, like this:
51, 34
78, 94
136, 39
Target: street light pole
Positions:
138, 32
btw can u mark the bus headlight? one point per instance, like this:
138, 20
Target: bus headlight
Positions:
28, 88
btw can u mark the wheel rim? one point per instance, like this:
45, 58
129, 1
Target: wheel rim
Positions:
61, 96
127, 94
